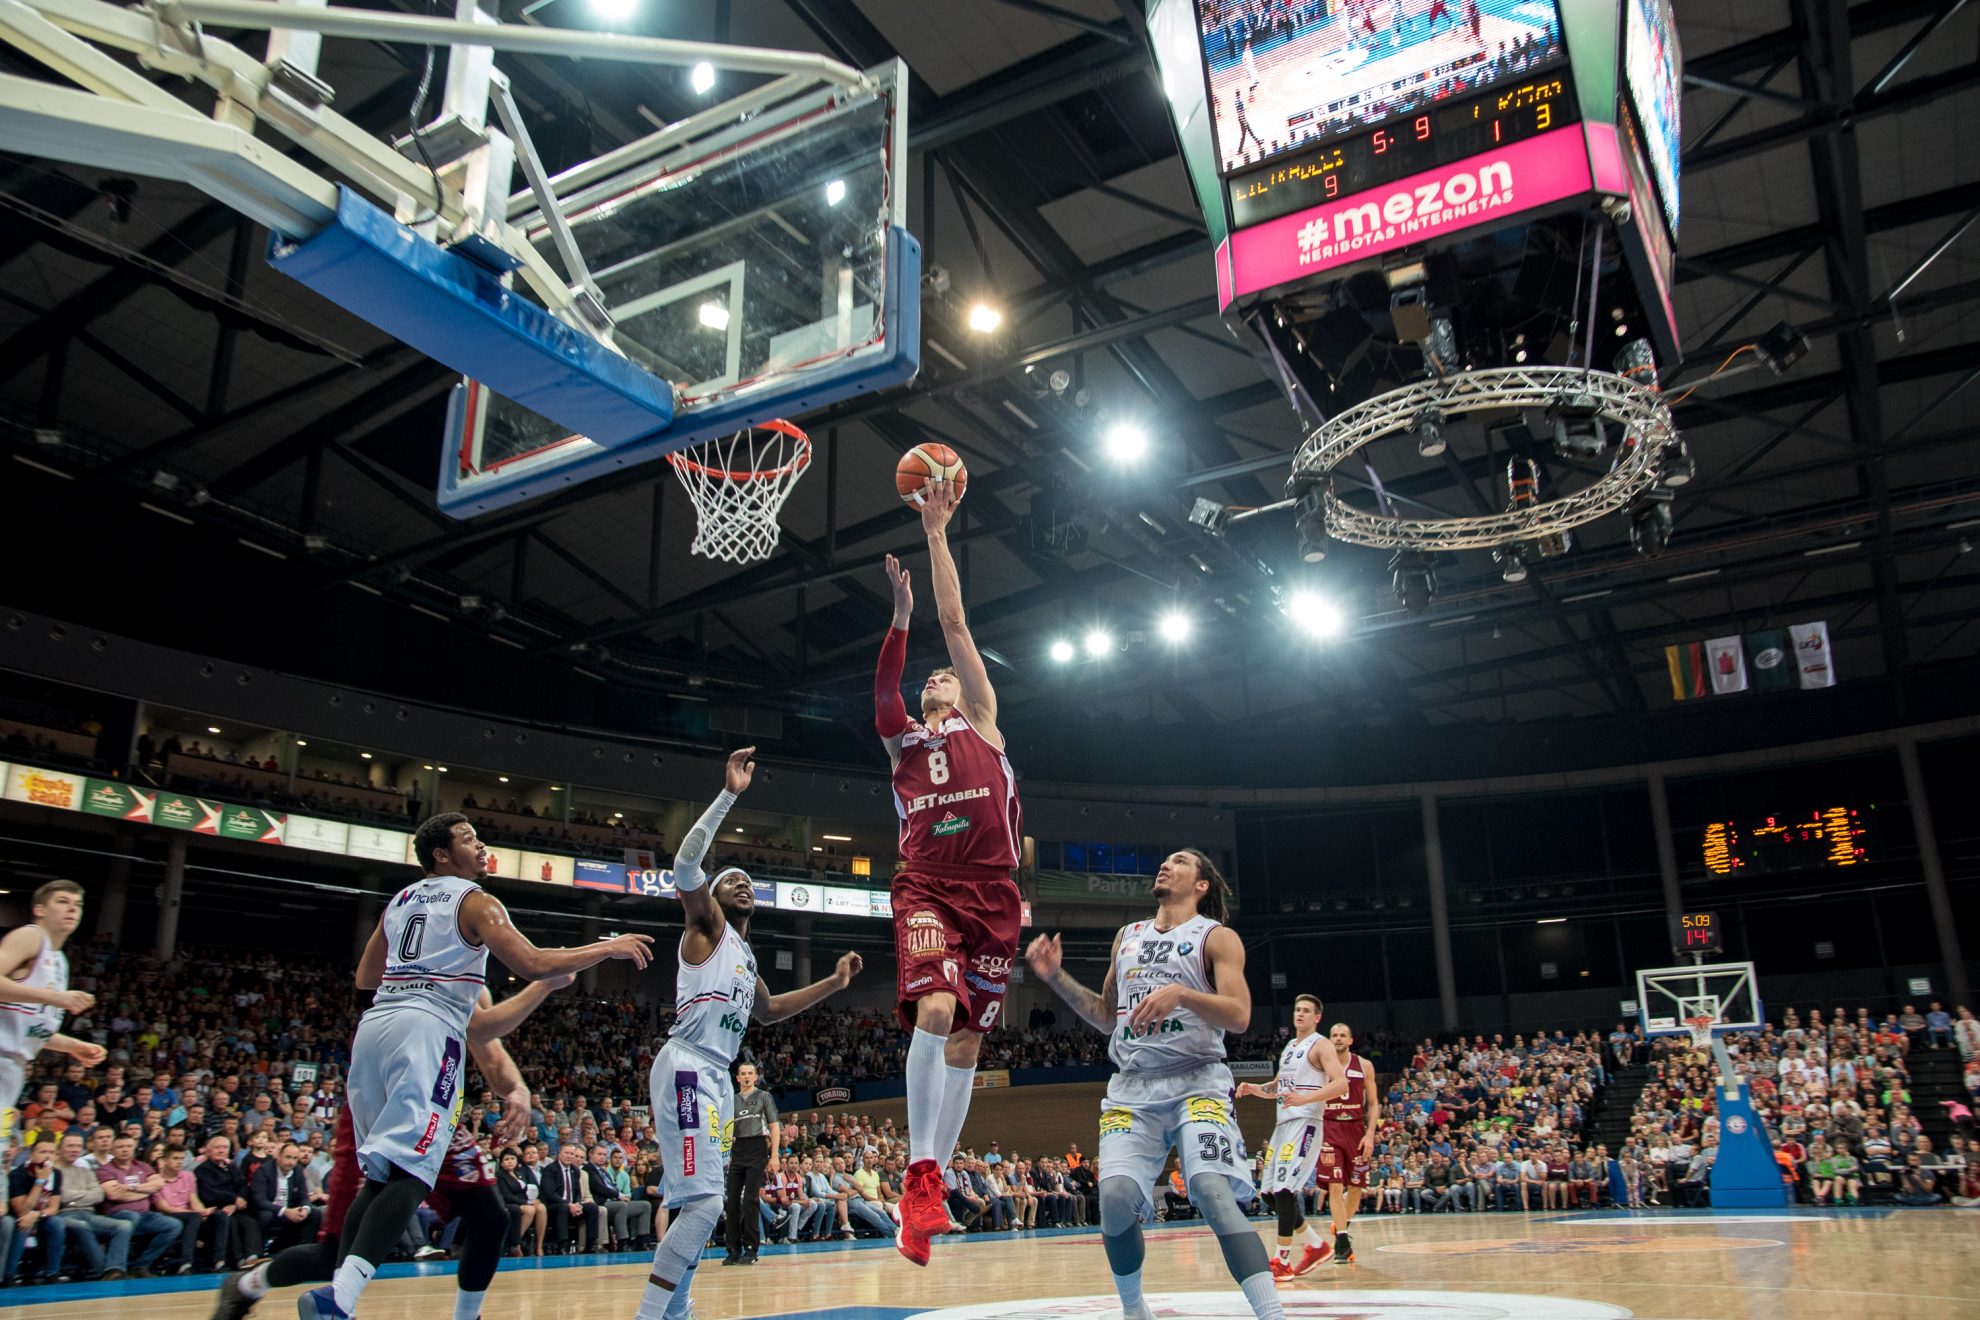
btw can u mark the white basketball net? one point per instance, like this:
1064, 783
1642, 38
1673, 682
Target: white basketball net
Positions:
739, 484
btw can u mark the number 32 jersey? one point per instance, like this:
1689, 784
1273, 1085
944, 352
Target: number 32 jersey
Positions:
1149, 959
429, 965
957, 798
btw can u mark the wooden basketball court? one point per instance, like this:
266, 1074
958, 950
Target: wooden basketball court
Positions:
1871, 1265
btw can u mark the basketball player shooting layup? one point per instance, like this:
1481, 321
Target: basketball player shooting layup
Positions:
956, 908
1174, 986
466, 1186
1310, 1074
34, 994
716, 992
427, 960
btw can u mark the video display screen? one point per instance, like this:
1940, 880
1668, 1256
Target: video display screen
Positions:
1292, 73
1653, 67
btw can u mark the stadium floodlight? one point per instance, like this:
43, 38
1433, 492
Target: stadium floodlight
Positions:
835, 192
1062, 651
713, 316
984, 319
615, 11
1175, 626
1428, 430
702, 78
1315, 615
1127, 442
1414, 577
1099, 643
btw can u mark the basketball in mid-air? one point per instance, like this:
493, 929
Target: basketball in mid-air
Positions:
925, 463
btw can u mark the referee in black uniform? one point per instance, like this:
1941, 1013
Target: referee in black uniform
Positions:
753, 1152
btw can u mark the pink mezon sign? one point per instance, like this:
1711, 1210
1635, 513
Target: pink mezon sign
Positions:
1472, 193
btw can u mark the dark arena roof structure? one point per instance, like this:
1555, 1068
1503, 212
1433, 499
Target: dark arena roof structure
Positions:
203, 454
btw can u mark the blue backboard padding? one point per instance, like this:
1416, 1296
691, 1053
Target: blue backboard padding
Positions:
458, 313
894, 363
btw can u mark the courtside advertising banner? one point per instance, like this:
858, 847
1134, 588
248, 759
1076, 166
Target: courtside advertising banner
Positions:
330, 836
45, 788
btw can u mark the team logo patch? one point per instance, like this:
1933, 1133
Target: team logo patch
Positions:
950, 824
1204, 1109
425, 1141
687, 1100
1183, 949
1736, 1124
687, 1156
1360, 1304
1286, 1151
450, 1075
1116, 1120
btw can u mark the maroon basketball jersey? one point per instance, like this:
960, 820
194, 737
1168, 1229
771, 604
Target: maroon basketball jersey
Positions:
1346, 1118
956, 797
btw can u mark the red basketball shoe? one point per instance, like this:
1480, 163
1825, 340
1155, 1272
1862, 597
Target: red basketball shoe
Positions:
1311, 1258
924, 1210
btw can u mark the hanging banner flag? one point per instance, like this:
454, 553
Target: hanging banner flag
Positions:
1726, 662
1773, 669
108, 797
1687, 666
1811, 654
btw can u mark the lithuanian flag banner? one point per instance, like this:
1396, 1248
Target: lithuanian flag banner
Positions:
1689, 677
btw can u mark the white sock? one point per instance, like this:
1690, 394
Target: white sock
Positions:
255, 1282
1285, 1250
924, 1093
1308, 1236
1264, 1298
351, 1278
1129, 1288
957, 1086
467, 1305
653, 1302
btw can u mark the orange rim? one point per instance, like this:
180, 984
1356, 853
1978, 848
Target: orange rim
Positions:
797, 464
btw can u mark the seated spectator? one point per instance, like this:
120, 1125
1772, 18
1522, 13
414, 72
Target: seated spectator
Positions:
128, 1184
34, 1198
177, 1198
232, 1231
575, 1217
103, 1243
279, 1196
626, 1221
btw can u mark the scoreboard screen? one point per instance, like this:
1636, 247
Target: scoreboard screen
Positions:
1653, 69
1283, 77
1815, 840
1698, 932
1435, 136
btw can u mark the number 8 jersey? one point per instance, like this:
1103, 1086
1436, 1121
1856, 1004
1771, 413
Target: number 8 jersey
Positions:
957, 798
429, 965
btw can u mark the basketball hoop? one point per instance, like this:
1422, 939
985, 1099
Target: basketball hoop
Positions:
739, 484
1701, 1029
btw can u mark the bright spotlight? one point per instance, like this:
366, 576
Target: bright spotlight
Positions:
1126, 442
984, 319
1315, 615
835, 192
702, 78
1099, 642
1175, 626
713, 315
615, 11
1062, 651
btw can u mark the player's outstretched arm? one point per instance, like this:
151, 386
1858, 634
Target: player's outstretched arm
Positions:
1324, 1057
87, 1052
775, 1008
17, 953
890, 717
703, 914
492, 1021
484, 921
979, 699
1095, 1008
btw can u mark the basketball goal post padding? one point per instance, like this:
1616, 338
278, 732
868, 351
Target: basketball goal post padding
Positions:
1680, 1001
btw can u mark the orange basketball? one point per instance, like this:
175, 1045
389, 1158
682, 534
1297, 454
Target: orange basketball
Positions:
925, 463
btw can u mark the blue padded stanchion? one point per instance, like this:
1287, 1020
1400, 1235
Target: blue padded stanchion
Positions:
458, 313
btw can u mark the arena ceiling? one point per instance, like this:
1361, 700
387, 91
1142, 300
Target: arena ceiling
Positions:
210, 456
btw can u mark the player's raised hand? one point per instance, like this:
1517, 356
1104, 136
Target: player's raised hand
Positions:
741, 769
515, 1117
636, 949
1045, 956
88, 1053
72, 1001
850, 965
938, 501
903, 586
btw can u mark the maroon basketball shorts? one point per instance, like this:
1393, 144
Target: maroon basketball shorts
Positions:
956, 930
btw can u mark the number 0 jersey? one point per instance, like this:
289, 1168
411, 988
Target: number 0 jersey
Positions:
429, 965
713, 998
25, 1028
1297, 1073
957, 798
1148, 960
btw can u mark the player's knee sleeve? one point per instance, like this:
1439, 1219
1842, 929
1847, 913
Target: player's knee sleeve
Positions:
486, 1223
1211, 1194
1289, 1215
1120, 1205
697, 1218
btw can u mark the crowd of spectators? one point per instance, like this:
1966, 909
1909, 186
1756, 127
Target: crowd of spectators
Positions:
1834, 1091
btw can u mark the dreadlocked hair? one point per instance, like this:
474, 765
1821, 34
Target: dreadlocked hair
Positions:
1215, 903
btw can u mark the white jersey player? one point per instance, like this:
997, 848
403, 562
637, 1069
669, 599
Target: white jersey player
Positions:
34, 994
1310, 1074
716, 992
427, 961
1174, 987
